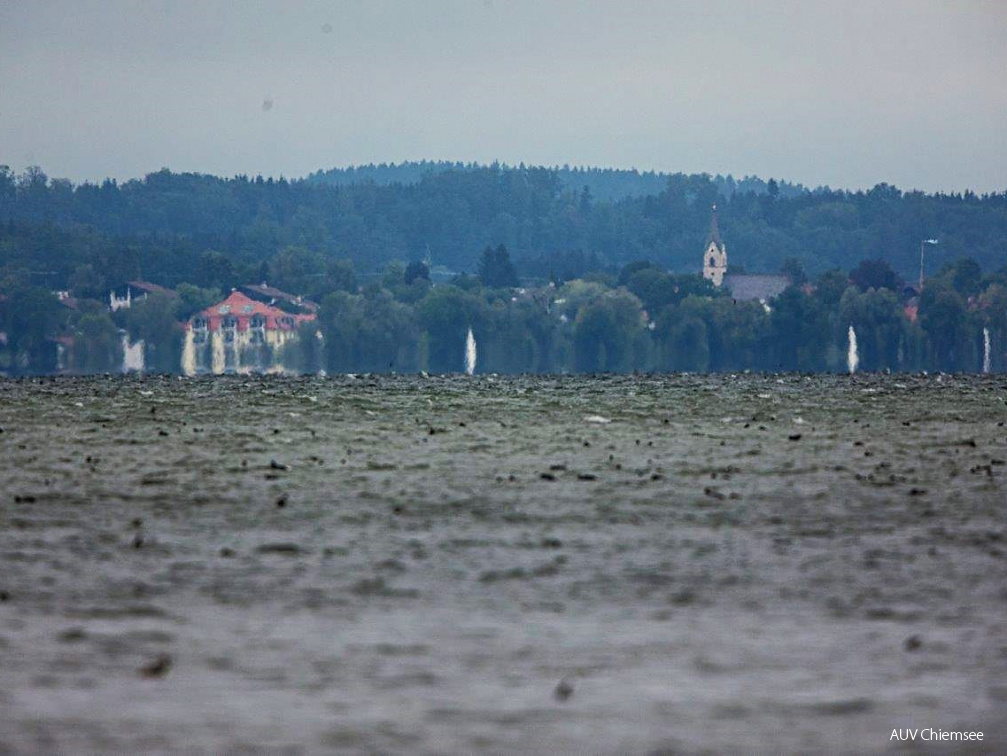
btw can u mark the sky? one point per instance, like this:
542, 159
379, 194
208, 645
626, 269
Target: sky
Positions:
846, 94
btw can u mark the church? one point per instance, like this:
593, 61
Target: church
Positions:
742, 287
715, 257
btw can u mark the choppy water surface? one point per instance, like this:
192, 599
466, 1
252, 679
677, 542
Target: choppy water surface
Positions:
731, 563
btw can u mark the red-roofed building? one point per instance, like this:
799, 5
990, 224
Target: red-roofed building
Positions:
239, 335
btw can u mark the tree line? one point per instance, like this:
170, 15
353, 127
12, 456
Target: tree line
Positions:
602, 183
642, 318
162, 226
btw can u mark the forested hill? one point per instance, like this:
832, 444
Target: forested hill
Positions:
162, 227
603, 183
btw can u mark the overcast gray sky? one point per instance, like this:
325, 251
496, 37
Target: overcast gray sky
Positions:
844, 93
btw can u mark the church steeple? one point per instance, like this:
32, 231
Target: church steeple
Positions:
715, 256
715, 229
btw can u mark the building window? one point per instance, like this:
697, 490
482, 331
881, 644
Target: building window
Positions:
198, 330
228, 325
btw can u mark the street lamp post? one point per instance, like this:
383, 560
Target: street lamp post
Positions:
924, 241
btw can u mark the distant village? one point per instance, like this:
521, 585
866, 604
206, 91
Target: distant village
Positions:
246, 332
594, 323
745, 287
243, 333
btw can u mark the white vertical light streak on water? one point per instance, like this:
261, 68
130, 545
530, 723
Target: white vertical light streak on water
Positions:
132, 355
470, 353
986, 350
852, 356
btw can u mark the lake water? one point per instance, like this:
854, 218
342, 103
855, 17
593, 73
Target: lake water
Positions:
507, 565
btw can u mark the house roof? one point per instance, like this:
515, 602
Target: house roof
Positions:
755, 287
243, 308
150, 288
266, 292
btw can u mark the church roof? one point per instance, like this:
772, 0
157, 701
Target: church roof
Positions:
755, 287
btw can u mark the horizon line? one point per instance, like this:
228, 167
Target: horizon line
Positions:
512, 166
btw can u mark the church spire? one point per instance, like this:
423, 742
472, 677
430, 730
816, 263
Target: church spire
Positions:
715, 256
715, 229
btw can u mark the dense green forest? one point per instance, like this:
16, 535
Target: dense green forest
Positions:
549, 277
603, 183
160, 226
